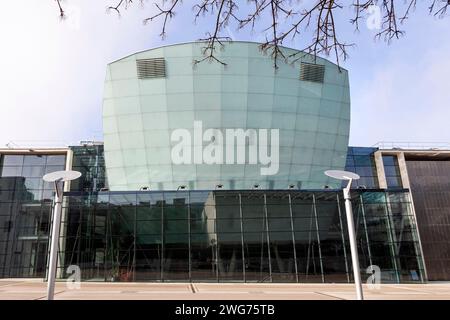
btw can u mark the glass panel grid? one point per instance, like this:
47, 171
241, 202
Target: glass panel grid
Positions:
128, 241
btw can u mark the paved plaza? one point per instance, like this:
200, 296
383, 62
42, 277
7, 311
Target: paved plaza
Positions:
35, 289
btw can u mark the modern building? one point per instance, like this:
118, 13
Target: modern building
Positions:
424, 170
151, 94
26, 200
137, 214
248, 235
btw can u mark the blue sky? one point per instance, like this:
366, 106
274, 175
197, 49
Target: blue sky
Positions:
52, 72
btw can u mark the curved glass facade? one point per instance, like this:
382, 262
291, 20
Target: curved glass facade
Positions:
150, 94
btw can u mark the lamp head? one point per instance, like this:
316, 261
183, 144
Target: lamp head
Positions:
342, 175
61, 176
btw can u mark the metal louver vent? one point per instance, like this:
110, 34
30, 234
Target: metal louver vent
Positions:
312, 72
151, 68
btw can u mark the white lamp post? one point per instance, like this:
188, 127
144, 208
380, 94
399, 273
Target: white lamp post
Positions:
58, 178
350, 176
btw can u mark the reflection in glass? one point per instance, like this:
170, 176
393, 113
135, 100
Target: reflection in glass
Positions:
217, 236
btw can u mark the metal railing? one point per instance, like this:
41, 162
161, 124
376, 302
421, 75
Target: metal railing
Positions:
413, 145
48, 144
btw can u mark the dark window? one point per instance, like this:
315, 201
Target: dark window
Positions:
12, 160
58, 160
34, 160
392, 171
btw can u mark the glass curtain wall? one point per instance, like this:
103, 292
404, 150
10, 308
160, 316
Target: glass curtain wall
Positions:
361, 160
90, 161
25, 208
238, 236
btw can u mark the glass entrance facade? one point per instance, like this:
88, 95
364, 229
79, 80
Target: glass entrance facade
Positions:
238, 236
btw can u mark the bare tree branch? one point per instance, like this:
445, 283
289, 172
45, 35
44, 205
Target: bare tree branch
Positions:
61, 11
119, 4
224, 11
439, 7
286, 19
168, 14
